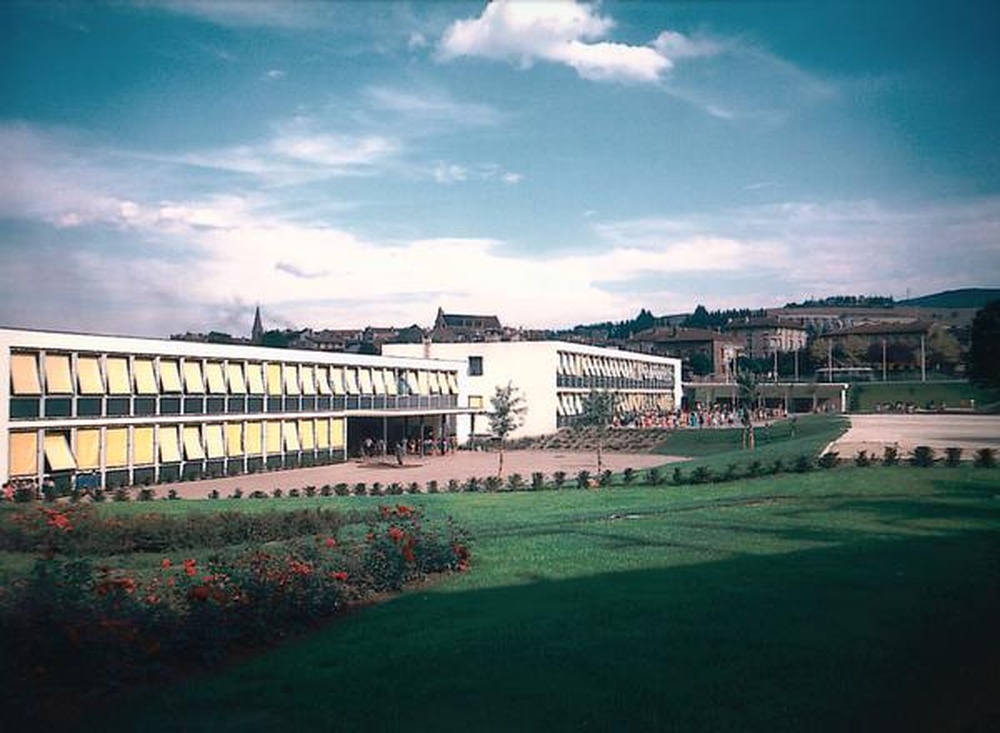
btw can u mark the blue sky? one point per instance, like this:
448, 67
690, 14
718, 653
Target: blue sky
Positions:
167, 166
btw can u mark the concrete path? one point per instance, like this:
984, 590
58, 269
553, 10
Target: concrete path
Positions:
459, 466
939, 431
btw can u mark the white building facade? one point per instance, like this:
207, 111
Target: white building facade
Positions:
553, 377
86, 410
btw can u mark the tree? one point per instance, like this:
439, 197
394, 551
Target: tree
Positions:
507, 416
746, 383
598, 409
943, 350
984, 354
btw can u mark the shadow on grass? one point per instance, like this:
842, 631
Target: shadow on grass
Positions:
876, 635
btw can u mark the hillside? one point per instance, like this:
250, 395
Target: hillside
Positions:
962, 298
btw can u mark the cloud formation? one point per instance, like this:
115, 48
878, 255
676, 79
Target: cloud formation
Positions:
565, 33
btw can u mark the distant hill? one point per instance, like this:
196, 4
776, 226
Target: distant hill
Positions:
963, 298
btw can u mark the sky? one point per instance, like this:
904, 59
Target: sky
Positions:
168, 166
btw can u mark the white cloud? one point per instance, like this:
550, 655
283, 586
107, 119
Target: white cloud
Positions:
560, 32
676, 46
449, 173
274, 74
247, 13
512, 179
432, 105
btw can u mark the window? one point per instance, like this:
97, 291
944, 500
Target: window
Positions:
475, 366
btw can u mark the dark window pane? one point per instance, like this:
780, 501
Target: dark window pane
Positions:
194, 405
274, 404
58, 407
237, 405
89, 407
255, 404
119, 406
170, 406
216, 405
145, 406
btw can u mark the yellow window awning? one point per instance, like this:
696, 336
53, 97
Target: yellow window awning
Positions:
391, 385
253, 438
57, 452
337, 432
170, 377
145, 376
169, 445
57, 377
193, 382
422, 382
337, 379
307, 377
323, 434
306, 435
88, 375
213, 441
378, 381
274, 380
321, 380
236, 383
255, 378
291, 436
291, 375
193, 450
24, 375
116, 447
143, 452
88, 449
118, 381
351, 378
23, 454
272, 437
213, 375
365, 381
234, 439
453, 382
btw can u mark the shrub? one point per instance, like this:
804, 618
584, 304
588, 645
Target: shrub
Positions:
863, 459
952, 457
172, 495
341, 489
515, 482
558, 479
890, 456
146, 494
326, 490
493, 483
701, 475
310, 491
294, 493
454, 486
677, 479
778, 466
121, 494
432, 487
628, 476
654, 476
258, 494
237, 493
605, 478
537, 481
413, 488
473, 484
277, 493
755, 469
213, 494
922, 456
377, 490
731, 473
360, 488
985, 458
583, 480
829, 460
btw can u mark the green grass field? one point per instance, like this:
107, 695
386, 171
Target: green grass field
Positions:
850, 598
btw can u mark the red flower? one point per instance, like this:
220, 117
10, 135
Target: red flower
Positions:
166, 564
191, 567
341, 575
396, 534
331, 542
199, 593
404, 511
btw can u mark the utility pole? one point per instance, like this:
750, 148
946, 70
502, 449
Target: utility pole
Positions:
883, 361
923, 358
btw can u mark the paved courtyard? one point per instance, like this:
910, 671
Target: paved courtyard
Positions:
874, 432
460, 466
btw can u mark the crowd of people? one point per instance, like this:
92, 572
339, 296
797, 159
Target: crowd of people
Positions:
701, 416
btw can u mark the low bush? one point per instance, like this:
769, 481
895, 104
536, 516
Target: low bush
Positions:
473, 484
493, 483
828, 460
605, 478
515, 482
341, 489
677, 478
922, 456
454, 486
755, 469
360, 488
701, 475
432, 487
628, 476
558, 479
985, 458
583, 480
952, 457
890, 456
863, 459
537, 481
654, 476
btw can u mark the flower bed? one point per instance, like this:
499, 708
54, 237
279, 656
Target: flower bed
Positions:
83, 623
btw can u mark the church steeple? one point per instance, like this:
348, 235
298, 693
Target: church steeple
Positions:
257, 332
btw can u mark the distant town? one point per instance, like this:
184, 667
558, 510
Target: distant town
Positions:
828, 338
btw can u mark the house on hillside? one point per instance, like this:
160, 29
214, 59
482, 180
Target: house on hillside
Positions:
702, 351
765, 336
460, 328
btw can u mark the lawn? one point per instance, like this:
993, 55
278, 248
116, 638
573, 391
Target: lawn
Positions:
866, 396
835, 599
